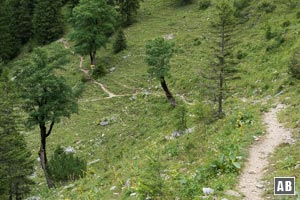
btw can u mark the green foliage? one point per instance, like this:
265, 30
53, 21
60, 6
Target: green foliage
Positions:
93, 22
47, 97
204, 4
269, 34
47, 21
65, 166
120, 42
180, 118
239, 6
158, 55
150, 182
185, 2
16, 164
294, 65
9, 45
128, 10
286, 24
266, 6
22, 12
99, 71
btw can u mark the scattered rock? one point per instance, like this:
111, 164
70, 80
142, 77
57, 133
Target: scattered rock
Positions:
127, 183
104, 123
224, 199
176, 134
93, 162
126, 56
68, 186
259, 186
169, 36
207, 191
33, 198
133, 194
256, 138
251, 172
116, 193
112, 69
113, 188
133, 98
189, 130
69, 150
232, 193
297, 166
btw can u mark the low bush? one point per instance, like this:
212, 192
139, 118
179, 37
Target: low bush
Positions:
65, 166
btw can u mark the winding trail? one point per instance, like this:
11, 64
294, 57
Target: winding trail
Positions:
102, 86
251, 184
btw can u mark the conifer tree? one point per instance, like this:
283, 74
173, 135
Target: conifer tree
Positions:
158, 55
47, 97
9, 46
222, 66
93, 22
128, 10
47, 21
16, 164
22, 16
120, 42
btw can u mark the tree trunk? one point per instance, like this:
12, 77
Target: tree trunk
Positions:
93, 58
43, 155
167, 91
220, 98
221, 75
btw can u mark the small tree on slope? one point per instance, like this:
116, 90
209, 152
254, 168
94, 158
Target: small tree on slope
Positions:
93, 22
47, 97
158, 55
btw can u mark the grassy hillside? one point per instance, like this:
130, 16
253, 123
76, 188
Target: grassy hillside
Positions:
134, 154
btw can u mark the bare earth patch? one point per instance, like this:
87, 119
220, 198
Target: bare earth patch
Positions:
251, 179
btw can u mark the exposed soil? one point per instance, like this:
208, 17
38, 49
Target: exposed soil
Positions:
251, 184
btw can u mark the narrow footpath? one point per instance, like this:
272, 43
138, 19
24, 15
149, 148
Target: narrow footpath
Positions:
251, 185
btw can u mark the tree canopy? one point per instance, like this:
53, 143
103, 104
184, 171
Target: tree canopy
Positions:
93, 22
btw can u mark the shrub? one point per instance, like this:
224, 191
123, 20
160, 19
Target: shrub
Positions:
185, 2
240, 4
180, 118
204, 4
65, 166
99, 71
150, 179
294, 65
298, 14
266, 6
286, 23
120, 42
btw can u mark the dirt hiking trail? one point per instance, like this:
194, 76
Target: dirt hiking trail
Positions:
251, 184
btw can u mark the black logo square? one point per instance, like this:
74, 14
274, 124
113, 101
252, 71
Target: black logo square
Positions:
284, 185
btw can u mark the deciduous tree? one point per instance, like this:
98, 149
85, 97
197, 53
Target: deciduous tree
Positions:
47, 97
158, 55
93, 22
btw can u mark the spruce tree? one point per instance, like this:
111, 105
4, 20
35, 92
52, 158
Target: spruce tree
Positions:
47, 21
158, 55
93, 22
9, 45
128, 10
47, 97
16, 164
22, 16
120, 42
223, 66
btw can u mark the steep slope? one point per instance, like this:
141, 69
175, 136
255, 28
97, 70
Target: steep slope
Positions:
141, 122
